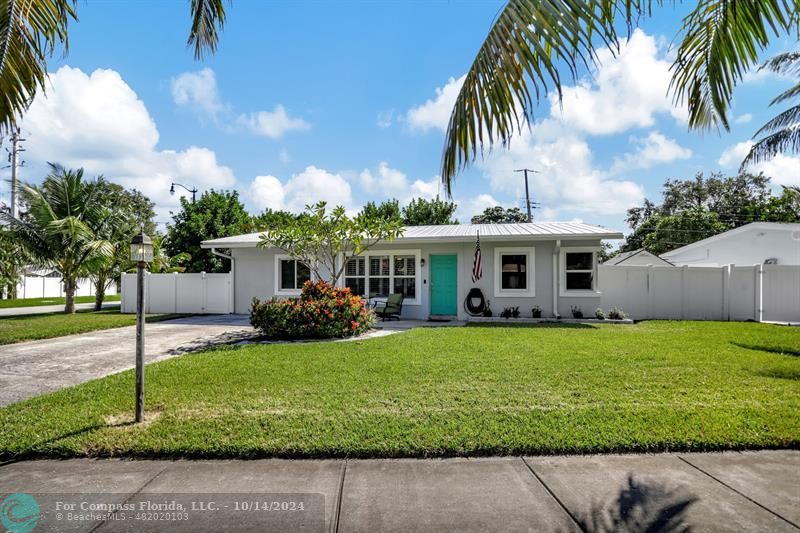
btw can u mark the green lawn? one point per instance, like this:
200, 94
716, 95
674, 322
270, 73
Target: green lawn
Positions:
442, 391
32, 302
32, 327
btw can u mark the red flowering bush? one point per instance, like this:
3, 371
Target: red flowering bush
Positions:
321, 312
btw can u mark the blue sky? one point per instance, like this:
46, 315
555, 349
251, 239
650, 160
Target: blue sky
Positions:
346, 101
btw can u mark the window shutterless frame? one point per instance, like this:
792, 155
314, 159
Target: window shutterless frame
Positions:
529, 290
572, 266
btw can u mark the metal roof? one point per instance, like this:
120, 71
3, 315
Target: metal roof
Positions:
463, 233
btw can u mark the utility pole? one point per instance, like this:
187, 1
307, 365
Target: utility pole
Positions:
528, 203
13, 158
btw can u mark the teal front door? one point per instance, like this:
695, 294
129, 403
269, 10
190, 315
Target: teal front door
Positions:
444, 286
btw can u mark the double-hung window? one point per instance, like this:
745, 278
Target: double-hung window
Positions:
382, 273
578, 271
355, 276
405, 276
290, 275
514, 272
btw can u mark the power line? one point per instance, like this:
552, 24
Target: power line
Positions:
528, 204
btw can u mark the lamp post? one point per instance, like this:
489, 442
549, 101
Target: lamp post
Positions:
141, 253
193, 190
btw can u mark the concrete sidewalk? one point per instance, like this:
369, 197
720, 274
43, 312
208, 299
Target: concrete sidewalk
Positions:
750, 491
42, 309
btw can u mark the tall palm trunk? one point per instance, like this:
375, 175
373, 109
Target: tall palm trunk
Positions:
69, 292
99, 291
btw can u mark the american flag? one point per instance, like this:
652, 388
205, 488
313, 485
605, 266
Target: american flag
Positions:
477, 271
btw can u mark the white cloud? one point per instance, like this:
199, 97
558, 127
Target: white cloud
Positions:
783, 169
386, 182
198, 90
743, 119
628, 90
266, 192
98, 122
435, 113
733, 156
385, 119
308, 187
426, 189
651, 150
273, 124
567, 179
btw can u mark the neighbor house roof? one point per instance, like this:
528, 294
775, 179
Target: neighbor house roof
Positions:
780, 226
624, 256
463, 233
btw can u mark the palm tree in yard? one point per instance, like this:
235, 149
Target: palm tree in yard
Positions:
534, 44
781, 133
57, 229
32, 30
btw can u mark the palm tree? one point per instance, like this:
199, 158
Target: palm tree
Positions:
57, 230
781, 133
522, 57
31, 30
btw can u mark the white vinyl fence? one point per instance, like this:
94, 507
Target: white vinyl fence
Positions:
180, 293
764, 293
52, 287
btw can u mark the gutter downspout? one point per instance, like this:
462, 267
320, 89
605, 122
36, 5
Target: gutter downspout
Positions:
233, 274
556, 254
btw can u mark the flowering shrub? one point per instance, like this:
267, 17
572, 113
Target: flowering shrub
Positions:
321, 312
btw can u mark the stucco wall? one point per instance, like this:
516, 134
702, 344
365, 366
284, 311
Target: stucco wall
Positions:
744, 248
254, 276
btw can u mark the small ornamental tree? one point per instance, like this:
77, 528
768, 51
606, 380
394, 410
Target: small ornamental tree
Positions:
325, 240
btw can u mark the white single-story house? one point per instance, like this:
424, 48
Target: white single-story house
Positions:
757, 243
552, 265
640, 257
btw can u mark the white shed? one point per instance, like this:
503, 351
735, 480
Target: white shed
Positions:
752, 244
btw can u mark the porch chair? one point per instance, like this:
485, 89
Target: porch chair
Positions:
392, 308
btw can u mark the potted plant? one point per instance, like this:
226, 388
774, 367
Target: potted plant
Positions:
576, 311
515, 312
487, 312
536, 312
616, 314
599, 314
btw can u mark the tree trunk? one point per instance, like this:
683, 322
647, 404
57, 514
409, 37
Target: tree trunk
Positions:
69, 292
99, 292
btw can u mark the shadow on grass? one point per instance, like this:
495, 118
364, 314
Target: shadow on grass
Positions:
640, 506
510, 324
779, 373
782, 350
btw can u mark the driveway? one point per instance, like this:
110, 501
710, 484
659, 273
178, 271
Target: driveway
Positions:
29, 369
40, 309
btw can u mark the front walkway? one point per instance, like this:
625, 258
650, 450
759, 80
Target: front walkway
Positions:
751, 491
32, 368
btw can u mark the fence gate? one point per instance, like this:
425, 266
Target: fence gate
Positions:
180, 293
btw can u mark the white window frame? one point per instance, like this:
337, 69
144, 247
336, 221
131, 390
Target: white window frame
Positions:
530, 270
562, 268
391, 254
278, 290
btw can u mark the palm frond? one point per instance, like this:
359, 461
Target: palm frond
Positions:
30, 32
208, 19
519, 63
784, 119
785, 140
721, 42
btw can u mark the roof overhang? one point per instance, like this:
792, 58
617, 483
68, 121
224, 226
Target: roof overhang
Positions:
221, 243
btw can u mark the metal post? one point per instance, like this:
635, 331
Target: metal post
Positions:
14, 163
528, 197
140, 341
